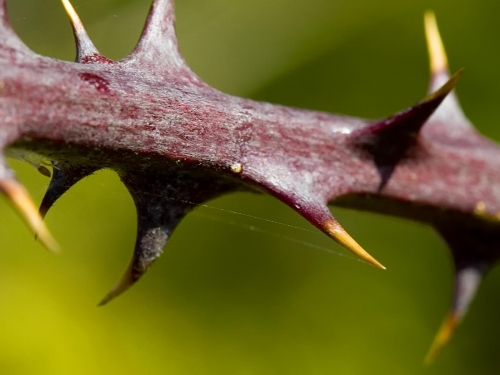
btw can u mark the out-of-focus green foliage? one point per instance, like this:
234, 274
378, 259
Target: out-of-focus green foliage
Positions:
226, 299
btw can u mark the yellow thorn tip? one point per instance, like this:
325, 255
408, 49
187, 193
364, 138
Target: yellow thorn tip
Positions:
74, 19
339, 235
437, 54
126, 281
442, 338
21, 200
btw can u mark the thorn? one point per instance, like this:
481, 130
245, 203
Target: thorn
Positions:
148, 248
63, 178
442, 338
409, 121
437, 53
20, 198
443, 91
315, 210
126, 281
339, 235
467, 281
86, 52
158, 42
161, 204
450, 117
8, 38
157, 219
4, 19
474, 252
3, 9
389, 140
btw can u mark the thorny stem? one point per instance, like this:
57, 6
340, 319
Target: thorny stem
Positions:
171, 136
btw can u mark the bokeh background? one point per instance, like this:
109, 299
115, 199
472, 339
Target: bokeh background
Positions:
234, 294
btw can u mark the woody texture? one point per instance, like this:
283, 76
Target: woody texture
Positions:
175, 141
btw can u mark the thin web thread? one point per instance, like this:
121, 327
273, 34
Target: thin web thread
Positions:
273, 234
254, 228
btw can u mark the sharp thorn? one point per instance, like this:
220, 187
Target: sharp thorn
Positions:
389, 140
467, 281
8, 38
439, 70
444, 90
442, 338
126, 281
86, 51
160, 23
474, 252
315, 210
407, 122
158, 43
153, 233
161, 205
4, 19
339, 235
20, 198
63, 178
437, 54
3, 9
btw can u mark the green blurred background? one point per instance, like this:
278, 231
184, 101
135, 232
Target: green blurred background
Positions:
234, 294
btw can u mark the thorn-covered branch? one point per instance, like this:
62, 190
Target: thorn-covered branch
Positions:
177, 142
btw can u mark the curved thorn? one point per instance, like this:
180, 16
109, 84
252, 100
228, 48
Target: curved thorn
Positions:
437, 54
152, 235
314, 209
390, 139
408, 121
161, 205
474, 251
158, 42
151, 238
20, 198
157, 219
160, 25
467, 281
63, 178
125, 282
442, 338
86, 52
83, 43
339, 235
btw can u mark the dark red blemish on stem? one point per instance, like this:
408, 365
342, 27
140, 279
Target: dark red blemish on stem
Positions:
96, 58
101, 84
